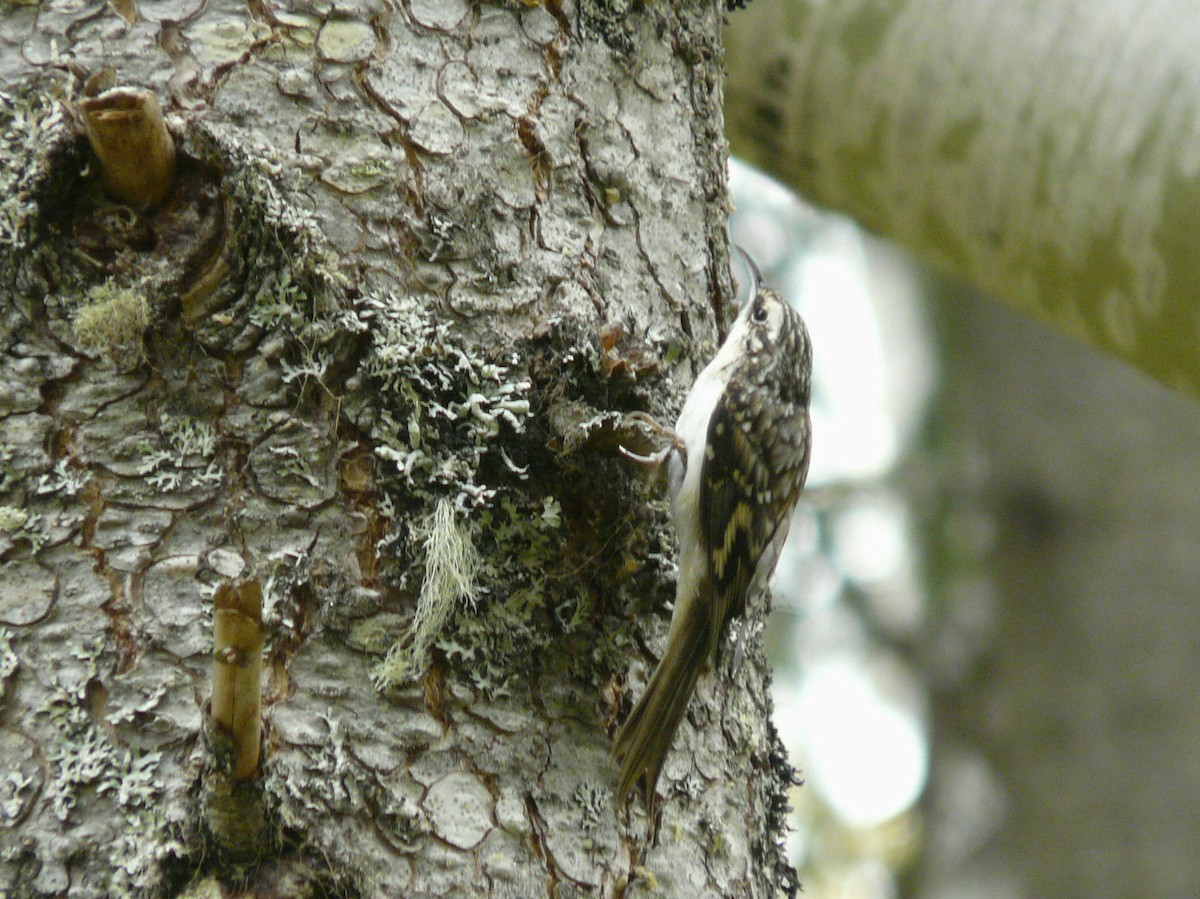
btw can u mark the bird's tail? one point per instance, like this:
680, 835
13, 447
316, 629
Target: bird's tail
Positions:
645, 738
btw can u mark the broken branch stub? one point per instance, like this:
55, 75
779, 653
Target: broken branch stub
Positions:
129, 136
237, 671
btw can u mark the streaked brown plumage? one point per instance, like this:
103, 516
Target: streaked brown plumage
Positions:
744, 434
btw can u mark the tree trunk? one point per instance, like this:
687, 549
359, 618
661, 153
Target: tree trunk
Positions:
370, 357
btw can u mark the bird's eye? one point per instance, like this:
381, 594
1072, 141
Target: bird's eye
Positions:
759, 314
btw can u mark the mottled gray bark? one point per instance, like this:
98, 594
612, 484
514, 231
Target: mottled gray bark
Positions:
1044, 151
373, 355
1077, 478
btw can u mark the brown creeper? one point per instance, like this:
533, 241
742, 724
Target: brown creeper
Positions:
740, 456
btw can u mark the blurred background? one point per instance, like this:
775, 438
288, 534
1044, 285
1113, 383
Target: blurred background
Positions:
986, 638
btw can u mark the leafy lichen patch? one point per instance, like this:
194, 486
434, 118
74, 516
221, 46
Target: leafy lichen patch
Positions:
87, 766
32, 125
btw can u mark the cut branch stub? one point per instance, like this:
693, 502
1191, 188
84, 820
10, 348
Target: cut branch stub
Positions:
127, 132
237, 671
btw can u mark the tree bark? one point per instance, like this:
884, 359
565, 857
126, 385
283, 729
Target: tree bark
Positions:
372, 354
1043, 151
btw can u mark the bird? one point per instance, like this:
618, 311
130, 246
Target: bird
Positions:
738, 457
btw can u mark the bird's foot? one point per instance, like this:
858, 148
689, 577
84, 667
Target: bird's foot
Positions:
675, 443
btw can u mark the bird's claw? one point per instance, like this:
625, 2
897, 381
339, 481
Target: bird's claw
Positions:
675, 444
657, 458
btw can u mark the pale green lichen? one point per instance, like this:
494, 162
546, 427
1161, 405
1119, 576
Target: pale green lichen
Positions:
293, 463
484, 601
85, 763
64, 479
223, 41
6, 474
298, 293
312, 367
493, 643
334, 782
551, 516
452, 564
446, 404
440, 412
594, 801
189, 444
13, 789
346, 41
8, 657
31, 124
12, 519
112, 323
21, 523
285, 277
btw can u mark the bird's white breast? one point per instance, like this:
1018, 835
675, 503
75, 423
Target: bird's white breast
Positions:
692, 428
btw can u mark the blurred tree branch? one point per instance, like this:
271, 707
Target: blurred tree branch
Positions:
1043, 152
